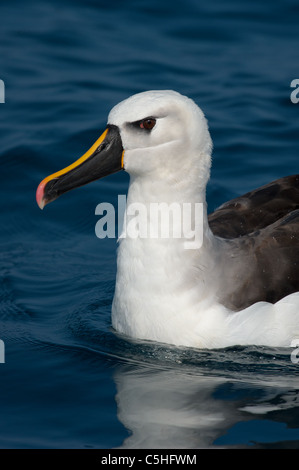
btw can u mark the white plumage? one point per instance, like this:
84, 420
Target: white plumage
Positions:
209, 297
164, 292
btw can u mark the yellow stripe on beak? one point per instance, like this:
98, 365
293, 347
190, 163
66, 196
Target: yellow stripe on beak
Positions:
77, 162
99, 161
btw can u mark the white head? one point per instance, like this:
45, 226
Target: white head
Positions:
161, 136
178, 142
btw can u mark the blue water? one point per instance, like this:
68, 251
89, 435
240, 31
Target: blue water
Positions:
68, 380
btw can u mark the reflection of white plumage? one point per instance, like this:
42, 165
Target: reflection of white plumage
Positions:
241, 286
182, 407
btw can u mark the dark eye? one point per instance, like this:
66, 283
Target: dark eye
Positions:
148, 123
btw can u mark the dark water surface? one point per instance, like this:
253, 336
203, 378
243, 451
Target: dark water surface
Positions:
68, 379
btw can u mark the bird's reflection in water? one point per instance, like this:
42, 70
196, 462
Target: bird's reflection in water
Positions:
170, 408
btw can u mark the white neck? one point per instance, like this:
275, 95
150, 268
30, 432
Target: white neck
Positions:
157, 279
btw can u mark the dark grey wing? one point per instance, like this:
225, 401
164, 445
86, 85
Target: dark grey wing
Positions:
263, 228
277, 254
271, 259
257, 209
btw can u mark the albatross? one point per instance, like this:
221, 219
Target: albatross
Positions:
240, 286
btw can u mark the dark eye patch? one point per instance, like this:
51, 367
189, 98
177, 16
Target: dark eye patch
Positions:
146, 124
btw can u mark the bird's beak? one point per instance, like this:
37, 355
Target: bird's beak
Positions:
102, 159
